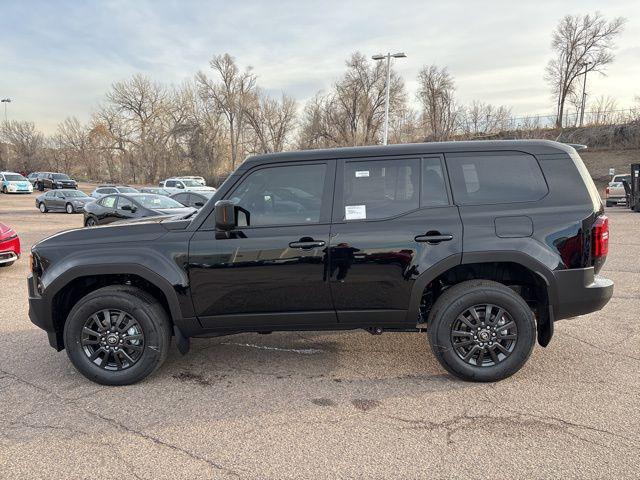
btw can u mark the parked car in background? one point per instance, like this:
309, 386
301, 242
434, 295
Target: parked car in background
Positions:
11, 182
614, 193
103, 190
111, 208
33, 177
52, 180
9, 245
156, 190
198, 179
65, 200
175, 185
192, 199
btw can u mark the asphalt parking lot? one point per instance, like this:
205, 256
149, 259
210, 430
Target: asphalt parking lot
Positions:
324, 405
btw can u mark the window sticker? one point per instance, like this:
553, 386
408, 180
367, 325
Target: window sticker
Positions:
355, 212
362, 173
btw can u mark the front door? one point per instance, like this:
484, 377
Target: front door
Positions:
392, 221
270, 273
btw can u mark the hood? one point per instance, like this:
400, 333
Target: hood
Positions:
117, 232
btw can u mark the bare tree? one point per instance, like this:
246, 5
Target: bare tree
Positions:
581, 44
603, 111
352, 113
26, 145
231, 96
271, 121
481, 118
438, 108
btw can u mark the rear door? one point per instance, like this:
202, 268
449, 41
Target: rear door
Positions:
393, 220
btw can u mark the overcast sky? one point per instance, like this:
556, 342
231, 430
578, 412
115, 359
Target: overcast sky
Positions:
58, 58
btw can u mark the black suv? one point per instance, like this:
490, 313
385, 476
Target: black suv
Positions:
52, 180
483, 245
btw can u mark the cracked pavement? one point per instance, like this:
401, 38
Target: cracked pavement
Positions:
324, 405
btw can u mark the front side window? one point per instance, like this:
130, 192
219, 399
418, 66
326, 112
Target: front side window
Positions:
124, 201
283, 195
170, 183
60, 176
375, 189
495, 178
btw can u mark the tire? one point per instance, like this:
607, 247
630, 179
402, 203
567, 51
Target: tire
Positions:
69, 208
8, 264
150, 319
43, 208
454, 304
4, 190
90, 222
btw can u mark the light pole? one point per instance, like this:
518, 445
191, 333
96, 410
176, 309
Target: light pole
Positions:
386, 98
584, 91
5, 101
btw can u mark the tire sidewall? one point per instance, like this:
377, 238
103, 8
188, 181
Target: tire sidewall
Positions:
440, 334
43, 207
67, 206
155, 342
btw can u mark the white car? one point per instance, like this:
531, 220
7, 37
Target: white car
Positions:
182, 184
11, 182
615, 193
198, 179
103, 190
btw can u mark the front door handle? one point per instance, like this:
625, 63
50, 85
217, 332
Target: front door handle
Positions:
307, 245
434, 238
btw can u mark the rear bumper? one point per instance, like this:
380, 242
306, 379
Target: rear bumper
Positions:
580, 291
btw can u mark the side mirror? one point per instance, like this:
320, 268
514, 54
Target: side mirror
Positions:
129, 208
228, 215
199, 204
179, 185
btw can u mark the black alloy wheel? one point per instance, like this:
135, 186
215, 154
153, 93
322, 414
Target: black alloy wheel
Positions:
112, 339
484, 335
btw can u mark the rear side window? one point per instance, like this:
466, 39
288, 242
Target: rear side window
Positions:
494, 178
376, 189
108, 202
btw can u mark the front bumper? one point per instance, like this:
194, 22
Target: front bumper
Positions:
41, 316
580, 291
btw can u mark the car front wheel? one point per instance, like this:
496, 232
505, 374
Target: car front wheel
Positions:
90, 222
117, 335
42, 207
69, 208
481, 331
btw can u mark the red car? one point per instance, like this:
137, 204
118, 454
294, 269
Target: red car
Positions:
9, 245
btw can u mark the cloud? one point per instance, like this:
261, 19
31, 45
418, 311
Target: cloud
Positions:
57, 59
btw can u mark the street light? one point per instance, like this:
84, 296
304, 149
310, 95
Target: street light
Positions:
386, 98
584, 91
5, 101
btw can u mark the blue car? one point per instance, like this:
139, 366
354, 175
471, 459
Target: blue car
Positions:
11, 182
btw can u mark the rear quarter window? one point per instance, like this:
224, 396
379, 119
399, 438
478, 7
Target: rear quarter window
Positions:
489, 178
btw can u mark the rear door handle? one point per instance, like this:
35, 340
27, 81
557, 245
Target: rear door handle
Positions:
434, 238
307, 245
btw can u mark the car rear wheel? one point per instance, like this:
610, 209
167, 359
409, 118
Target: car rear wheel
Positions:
117, 335
481, 331
69, 208
43, 207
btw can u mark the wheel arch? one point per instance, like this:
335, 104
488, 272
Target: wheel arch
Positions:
66, 290
542, 276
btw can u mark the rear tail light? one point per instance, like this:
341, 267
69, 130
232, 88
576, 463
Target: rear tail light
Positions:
606, 192
600, 237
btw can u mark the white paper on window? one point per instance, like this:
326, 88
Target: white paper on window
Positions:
355, 212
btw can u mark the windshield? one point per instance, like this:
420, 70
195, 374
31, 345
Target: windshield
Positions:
60, 176
157, 201
15, 178
127, 190
208, 194
74, 194
191, 183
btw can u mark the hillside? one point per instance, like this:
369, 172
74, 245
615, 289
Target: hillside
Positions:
598, 163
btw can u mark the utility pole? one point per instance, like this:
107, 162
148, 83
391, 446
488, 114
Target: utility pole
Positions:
386, 98
5, 101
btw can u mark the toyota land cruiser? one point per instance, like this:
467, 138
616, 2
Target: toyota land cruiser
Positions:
482, 245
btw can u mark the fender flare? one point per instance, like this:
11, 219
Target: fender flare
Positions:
116, 269
526, 261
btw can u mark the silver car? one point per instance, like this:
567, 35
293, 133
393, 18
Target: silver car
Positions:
65, 200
